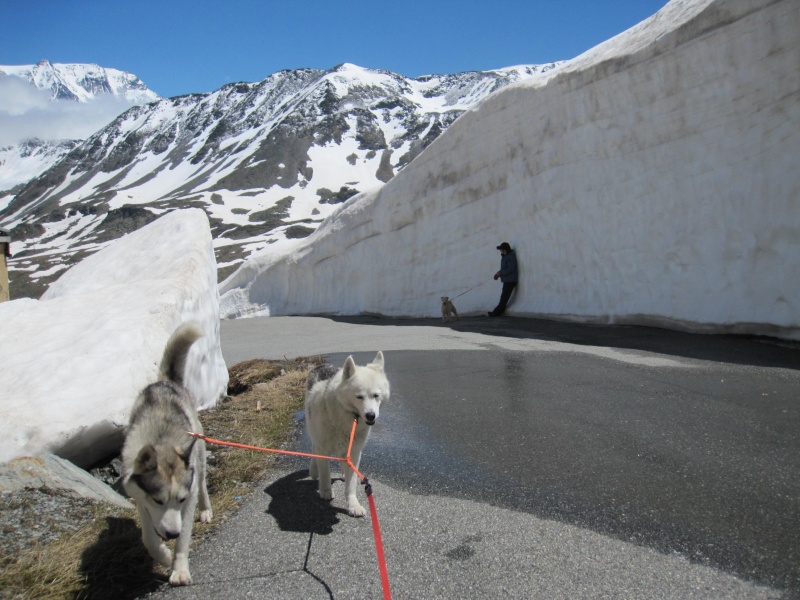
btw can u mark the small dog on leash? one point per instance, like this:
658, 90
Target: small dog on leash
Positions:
448, 310
164, 469
334, 397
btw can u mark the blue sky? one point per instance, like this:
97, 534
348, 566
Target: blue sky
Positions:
184, 46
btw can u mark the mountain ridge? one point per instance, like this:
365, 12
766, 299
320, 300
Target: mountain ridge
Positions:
267, 160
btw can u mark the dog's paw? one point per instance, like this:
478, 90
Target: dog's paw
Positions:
354, 509
180, 577
326, 494
206, 516
162, 555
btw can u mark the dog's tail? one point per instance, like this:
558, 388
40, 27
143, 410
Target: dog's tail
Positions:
173, 362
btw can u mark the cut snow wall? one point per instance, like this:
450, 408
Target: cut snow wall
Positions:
654, 179
79, 356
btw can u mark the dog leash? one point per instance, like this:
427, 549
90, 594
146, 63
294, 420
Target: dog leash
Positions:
376, 527
469, 290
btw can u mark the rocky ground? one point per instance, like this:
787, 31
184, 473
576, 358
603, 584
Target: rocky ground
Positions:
34, 517
31, 517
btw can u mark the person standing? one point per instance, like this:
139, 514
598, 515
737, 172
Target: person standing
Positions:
507, 275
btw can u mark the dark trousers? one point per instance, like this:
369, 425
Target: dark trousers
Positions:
508, 288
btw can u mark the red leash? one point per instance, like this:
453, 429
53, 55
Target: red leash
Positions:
376, 531
376, 527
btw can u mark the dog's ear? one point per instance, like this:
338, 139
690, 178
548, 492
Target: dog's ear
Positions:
377, 362
145, 460
349, 368
185, 451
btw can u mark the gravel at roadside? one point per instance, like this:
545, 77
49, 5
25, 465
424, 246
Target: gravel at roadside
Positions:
32, 517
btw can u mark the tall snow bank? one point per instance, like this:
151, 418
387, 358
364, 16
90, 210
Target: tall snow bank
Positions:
652, 179
74, 361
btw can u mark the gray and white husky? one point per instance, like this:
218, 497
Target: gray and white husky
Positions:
334, 397
164, 469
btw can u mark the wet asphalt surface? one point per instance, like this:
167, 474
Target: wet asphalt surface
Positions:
544, 459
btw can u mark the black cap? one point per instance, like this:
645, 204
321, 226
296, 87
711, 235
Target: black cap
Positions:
504, 246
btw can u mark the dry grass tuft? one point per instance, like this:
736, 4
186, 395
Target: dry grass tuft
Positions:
106, 558
260, 416
244, 375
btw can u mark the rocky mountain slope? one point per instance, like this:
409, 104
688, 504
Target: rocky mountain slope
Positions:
267, 161
21, 162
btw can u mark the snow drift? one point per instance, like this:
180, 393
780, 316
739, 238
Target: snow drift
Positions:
652, 179
76, 359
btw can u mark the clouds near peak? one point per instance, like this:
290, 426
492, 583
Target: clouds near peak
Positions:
26, 112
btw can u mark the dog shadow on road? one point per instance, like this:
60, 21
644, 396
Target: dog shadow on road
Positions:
296, 506
118, 566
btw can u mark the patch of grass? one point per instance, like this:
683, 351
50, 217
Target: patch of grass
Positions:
269, 394
106, 558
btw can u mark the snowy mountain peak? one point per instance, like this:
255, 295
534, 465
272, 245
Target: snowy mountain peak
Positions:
348, 68
47, 104
81, 82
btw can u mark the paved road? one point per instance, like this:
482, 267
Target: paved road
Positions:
533, 459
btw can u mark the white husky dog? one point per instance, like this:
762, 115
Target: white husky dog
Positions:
334, 397
164, 469
448, 310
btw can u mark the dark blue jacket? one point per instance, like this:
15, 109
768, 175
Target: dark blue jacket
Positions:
508, 268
